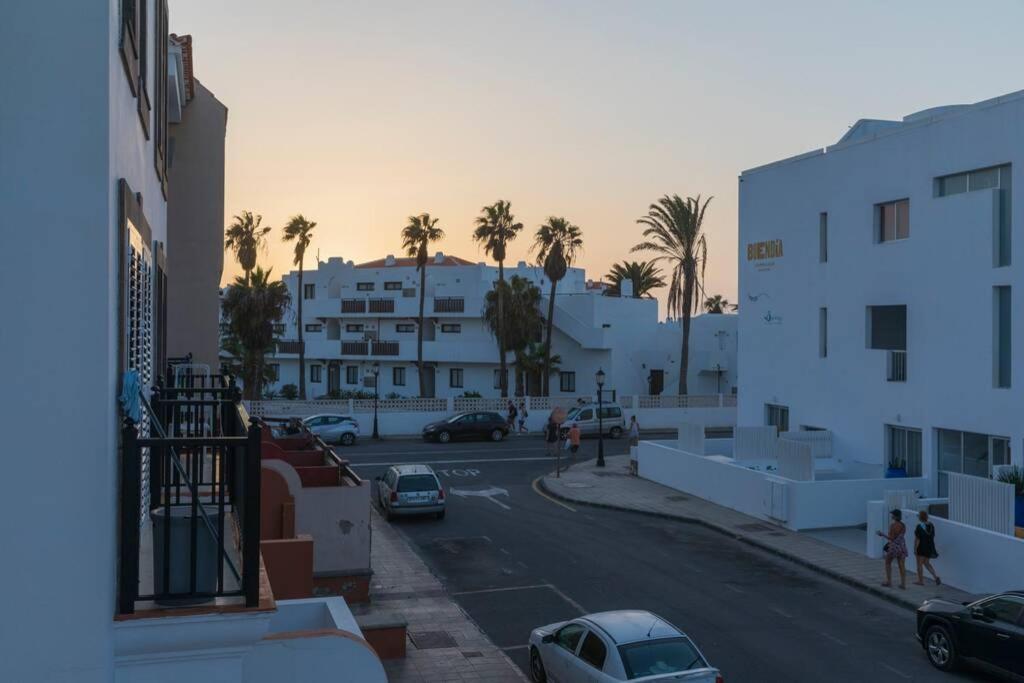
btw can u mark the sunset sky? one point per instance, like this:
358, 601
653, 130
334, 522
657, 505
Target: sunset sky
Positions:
358, 114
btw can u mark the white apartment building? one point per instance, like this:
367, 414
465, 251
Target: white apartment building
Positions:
877, 285
359, 315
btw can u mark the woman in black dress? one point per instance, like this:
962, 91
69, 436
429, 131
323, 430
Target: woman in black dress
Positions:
924, 548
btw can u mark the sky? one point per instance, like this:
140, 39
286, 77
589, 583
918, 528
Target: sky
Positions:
360, 114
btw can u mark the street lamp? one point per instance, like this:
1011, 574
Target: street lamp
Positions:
600, 417
376, 396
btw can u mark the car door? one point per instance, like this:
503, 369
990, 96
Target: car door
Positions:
384, 488
993, 629
462, 427
487, 423
591, 658
585, 419
560, 661
329, 428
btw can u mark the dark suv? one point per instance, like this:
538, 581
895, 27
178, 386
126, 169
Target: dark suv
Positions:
989, 632
468, 425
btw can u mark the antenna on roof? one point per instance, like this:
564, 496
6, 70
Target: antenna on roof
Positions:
653, 624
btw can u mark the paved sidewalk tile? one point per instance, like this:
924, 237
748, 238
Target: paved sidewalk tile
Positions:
403, 584
614, 487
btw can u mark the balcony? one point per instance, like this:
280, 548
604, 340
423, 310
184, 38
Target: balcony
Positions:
190, 500
385, 348
353, 305
355, 348
897, 366
449, 305
382, 305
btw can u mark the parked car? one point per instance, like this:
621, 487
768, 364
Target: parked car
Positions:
340, 429
410, 490
617, 646
468, 425
586, 416
989, 633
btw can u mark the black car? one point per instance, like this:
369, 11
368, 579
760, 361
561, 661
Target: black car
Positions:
989, 632
469, 425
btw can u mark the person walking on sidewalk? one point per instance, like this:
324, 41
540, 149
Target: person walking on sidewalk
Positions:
895, 548
512, 412
574, 439
634, 432
522, 418
551, 430
924, 548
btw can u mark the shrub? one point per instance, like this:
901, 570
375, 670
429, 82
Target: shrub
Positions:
289, 392
471, 394
1013, 474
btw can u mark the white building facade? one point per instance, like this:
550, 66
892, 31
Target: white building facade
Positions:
879, 284
359, 315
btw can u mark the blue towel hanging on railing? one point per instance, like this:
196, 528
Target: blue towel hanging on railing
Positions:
129, 397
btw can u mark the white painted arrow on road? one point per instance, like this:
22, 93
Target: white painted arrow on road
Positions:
489, 494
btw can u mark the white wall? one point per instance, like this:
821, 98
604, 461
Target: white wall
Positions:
947, 258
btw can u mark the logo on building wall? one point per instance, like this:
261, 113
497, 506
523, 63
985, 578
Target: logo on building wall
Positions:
759, 251
772, 318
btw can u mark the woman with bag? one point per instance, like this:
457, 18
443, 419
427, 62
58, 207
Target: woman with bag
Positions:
895, 548
924, 548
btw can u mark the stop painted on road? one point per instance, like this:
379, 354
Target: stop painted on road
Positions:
458, 473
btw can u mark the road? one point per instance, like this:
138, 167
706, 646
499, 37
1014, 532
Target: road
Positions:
514, 559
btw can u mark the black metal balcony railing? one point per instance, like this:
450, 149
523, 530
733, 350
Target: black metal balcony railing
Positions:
385, 348
897, 366
449, 305
353, 305
203, 462
382, 305
355, 348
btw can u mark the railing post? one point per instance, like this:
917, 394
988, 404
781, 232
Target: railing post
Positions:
251, 521
160, 412
131, 502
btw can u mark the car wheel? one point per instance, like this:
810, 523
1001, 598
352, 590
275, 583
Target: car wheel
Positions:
940, 648
444, 437
537, 673
497, 435
348, 439
440, 515
616, 432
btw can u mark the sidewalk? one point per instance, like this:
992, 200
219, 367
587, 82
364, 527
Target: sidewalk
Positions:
614, 488
444, 644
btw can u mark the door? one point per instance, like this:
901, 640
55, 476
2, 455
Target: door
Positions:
656, 382
590, 660
993, 629
333, 378
427, 390
561, 659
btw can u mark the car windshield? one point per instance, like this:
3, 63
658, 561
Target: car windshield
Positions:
663, 656
411, 483
572, 414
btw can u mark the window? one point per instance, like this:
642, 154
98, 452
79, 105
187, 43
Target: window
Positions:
351, 374
593, 651
278, 328
364, 286
567, 382
1001, 336
275, 372
587, 414
452, 328
497, 378
569, 636
162, 38
455, 378
903, 445
398, 377
314, 327
661, 656
892, 221
309, 291
776, 416
392, 286
968, 453
823, 237
315, 373
610, 413
823, 333
1004, 609
992, 178
405, 327
353, 327
887, 327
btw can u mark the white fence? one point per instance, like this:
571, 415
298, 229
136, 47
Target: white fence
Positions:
981, 502
754, 443
691, 438
795, 460
819, 441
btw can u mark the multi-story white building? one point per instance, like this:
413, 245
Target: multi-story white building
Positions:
359, 315
877, 280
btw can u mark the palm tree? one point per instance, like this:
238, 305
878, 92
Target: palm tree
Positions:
645, 276
416, 239
495, 228
246, 237
521, 320
718, 304
300, 231
531, 363
556, 243
673, 232
252, 305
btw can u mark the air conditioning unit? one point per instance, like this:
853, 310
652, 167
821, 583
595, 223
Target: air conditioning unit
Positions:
409, 292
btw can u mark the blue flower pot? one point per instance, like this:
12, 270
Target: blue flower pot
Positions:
1018, 511
896, 473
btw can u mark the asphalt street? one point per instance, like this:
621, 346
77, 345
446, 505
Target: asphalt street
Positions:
515, 559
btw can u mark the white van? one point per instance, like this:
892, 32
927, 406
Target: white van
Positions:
612, 419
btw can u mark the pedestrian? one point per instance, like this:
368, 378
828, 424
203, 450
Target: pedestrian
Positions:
522, 417
895, 548
511, 415
574, 439
924, 548
551, 436
634, 432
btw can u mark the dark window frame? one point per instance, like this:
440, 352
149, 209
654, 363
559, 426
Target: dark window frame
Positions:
351, 374
313, 327
405, 328
392, 286
880, 222
452, 374
355, 327
398, 376
162, 38
451, 328
309, 291
567, 386
364, 286
316, 373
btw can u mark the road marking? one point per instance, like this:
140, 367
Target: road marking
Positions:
536, 489
468, 472
895, 671
733, 588
780, 612
569, 600
510, 648
444, 462
489, 494
834, 639
535, 586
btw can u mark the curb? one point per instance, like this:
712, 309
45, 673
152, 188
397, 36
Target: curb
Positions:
831, 573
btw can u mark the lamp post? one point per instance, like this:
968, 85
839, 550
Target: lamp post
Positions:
376, 397
600, 417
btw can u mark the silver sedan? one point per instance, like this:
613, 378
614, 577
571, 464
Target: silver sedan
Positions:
333, 428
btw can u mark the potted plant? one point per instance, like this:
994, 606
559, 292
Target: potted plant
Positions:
1014, 474
897, 469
